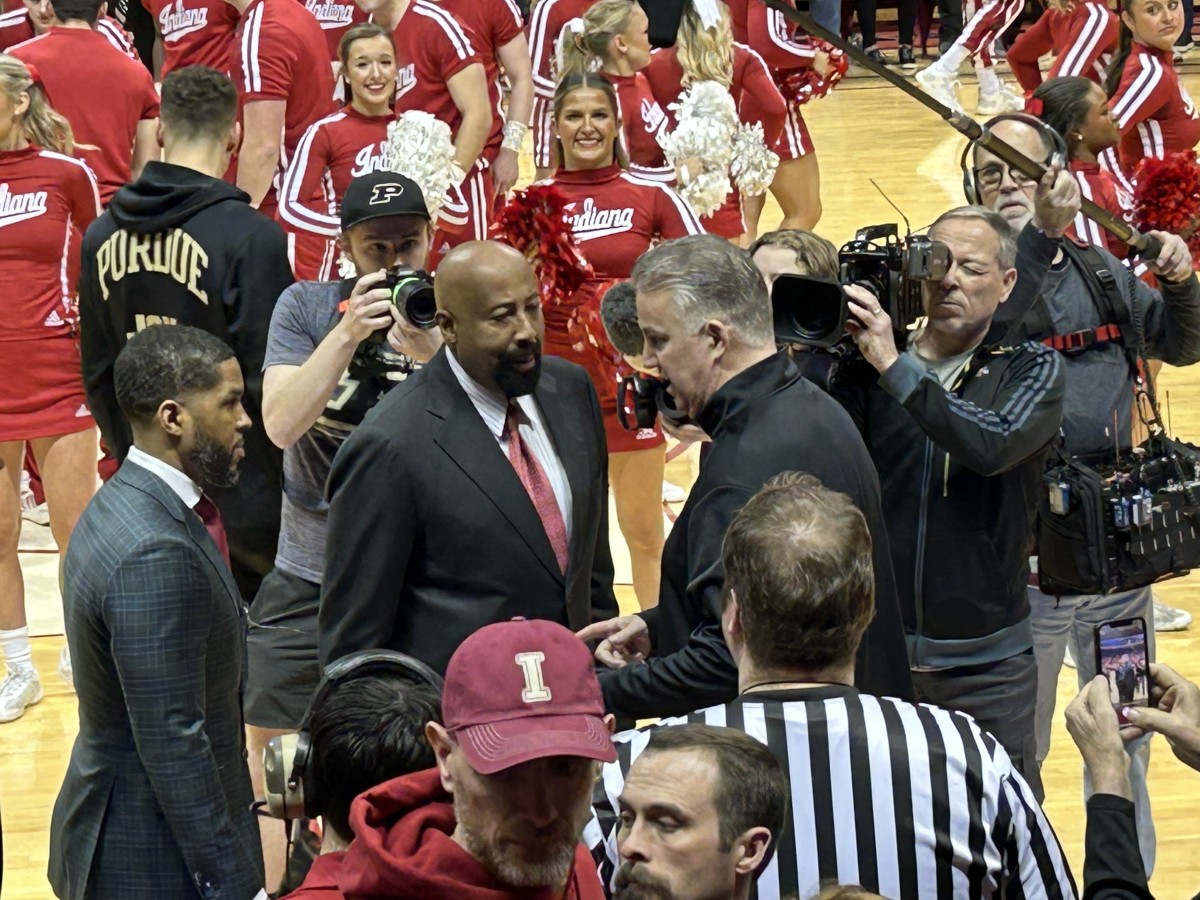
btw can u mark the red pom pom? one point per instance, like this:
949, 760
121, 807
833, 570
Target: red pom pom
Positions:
799, 86
1167, 197
1034, 106
534, 222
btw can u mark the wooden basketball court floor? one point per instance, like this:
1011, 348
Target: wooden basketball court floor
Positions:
865, 130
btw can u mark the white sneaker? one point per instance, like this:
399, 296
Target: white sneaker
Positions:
1000, 101
673, 493
1167, 618
38, 514
21, 688
1069, 659
940, 87
65, 670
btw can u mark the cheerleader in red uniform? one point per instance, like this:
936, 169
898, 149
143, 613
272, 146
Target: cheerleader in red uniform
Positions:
1077, 108
46, 199
612, 38
1154, 113
615, 217
546, 22
710, 54
337, 149
1081, 33
797, 184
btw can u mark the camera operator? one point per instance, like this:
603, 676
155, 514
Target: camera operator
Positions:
706, 318
957, 424
1085, 291
325, 368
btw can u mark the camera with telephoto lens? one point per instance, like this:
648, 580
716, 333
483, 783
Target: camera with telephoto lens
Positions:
813, 311
410, 289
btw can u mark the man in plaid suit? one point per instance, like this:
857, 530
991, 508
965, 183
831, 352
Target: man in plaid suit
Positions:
156, 799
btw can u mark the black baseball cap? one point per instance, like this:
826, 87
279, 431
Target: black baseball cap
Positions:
380, 194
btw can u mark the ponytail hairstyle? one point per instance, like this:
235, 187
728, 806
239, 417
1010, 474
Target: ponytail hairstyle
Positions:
360, 32
706, 54
1065, 106
1112, 78
595, 81
587, 51
40, 123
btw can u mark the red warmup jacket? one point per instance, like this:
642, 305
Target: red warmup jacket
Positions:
403, 849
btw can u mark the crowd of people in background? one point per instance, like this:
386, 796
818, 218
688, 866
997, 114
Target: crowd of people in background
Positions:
350, 564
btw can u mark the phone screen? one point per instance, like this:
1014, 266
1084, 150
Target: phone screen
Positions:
1121, 657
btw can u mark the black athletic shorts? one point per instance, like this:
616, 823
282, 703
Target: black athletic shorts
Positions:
283, 670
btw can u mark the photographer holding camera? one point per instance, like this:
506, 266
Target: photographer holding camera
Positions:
958, 423
327, 364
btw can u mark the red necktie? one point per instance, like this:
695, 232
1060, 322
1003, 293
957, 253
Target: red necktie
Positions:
211, 517
537, 485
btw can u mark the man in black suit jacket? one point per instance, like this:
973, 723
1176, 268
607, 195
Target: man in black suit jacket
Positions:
432, 533
156, 799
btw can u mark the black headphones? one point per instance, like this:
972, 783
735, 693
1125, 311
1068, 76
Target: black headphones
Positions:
970, 188
288, 758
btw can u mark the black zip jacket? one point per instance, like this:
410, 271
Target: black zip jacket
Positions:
960, 473
766, 420
179, 247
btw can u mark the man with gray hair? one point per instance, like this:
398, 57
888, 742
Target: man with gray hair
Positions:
958, 423
706, 317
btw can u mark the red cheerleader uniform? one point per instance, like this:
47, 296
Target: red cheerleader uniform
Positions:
1083, 39
1153, 110
642, 121
194, 33
615, 216
333, 152
1097, 185
46, 201
16, 27
546, 22
769, 34
335, 17
757, 100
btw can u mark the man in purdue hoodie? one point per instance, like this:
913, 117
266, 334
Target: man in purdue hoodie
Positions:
501, 815
180, 246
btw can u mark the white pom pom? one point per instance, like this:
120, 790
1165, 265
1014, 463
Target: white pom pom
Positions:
420, 147
754, 164
346, 269
707, 124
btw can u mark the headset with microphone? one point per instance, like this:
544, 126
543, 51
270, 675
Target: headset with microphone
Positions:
287, 760
1058, 154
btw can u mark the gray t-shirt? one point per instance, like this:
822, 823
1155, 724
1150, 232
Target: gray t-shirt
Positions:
303, 317
944, 370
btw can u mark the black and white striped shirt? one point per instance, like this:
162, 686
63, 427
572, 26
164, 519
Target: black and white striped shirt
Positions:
905, 800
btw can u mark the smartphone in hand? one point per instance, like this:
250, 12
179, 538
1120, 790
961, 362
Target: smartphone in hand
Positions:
1122, 657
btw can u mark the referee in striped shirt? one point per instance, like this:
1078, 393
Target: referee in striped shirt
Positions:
905, 800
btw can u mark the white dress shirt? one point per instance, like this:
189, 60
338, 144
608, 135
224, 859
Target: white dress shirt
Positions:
187, 490
493, 408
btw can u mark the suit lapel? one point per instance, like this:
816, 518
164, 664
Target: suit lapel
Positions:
147, 482
459, 431
562, 417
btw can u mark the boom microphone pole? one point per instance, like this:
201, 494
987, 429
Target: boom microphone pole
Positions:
1147, 246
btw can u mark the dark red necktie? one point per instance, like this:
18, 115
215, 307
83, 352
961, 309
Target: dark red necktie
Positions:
211, 517
537, 485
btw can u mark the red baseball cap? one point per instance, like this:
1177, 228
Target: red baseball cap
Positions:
522, 690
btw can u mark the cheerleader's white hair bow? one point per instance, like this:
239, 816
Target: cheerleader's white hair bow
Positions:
710, 15
573, 27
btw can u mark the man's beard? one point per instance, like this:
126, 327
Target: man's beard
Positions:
210, 464
634, 884
512, 382
550, 869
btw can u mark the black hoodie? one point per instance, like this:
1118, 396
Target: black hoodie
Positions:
180, 247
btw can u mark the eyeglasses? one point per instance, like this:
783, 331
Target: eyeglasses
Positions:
989, 177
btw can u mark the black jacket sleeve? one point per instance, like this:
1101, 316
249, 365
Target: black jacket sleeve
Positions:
1112, 863
99, 346
702, 673
372, 529
604, 601
1026, 416
1170, 319
257, 279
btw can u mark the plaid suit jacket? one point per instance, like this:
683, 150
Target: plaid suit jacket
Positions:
156, 799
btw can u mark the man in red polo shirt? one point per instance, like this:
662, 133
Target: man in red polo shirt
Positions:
193, 33
281, 68
78, 65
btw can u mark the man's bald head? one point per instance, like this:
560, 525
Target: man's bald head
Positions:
490, 314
